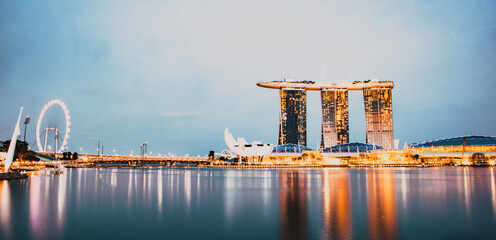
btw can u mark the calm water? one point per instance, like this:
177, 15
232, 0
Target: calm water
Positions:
201, 203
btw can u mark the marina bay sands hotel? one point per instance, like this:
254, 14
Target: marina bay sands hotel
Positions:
334, 99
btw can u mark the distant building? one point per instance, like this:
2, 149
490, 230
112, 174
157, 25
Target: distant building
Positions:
290, 148
293, 118
457, 141
242, 148
351, 148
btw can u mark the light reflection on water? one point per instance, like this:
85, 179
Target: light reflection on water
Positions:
5, 208
493, 192
336, 205
201, 203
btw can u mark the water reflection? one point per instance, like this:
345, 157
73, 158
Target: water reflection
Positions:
129, 188
113, 178
381, 205
287, 204
336, 205
5, 208
267, 191
35, 207
61, 202
187, 190
404, 189
493, 192
293, 204
160, 191
229, 195
466, 190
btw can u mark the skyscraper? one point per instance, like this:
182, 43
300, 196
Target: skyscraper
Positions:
293, 118
379, 116
334, 102
335, 127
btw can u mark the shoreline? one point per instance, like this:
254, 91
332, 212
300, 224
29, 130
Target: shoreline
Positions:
282, 166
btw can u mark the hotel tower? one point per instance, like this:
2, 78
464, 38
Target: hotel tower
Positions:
335, 122
335, 127
293, 119
378, 117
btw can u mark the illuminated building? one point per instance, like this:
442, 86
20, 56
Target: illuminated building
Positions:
334, 97
457, 141
379, 117
466, 150
351, 148
334, 117
293, 118
290, 148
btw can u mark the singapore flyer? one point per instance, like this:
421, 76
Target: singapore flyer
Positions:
53, 123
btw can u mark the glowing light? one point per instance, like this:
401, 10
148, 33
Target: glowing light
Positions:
5, 207
333, 161
67, 123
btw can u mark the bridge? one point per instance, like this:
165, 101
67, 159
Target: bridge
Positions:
136, 160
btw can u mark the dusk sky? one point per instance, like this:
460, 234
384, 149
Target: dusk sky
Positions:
176, 73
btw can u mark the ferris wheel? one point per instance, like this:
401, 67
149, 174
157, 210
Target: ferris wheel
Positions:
54, 121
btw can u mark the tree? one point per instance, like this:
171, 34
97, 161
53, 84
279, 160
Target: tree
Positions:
21, 151
479, 159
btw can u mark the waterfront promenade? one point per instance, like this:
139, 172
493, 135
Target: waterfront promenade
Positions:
408, 157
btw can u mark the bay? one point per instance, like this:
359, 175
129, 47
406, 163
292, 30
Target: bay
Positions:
207, 203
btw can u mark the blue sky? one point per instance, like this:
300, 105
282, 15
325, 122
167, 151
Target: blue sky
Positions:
176, 73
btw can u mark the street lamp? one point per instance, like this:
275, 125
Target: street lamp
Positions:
26, 122
145, 149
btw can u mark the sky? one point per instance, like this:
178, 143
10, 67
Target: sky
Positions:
175, 74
